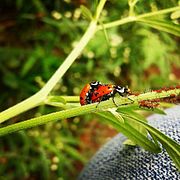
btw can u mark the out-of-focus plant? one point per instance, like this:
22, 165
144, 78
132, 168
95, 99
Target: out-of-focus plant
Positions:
135, 48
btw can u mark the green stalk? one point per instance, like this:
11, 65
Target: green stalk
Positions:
40, 96
84, 110
132, 4
136, 18
99, 9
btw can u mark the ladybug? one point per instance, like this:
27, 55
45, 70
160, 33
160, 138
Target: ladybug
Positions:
86, 92
97, 92
107, 91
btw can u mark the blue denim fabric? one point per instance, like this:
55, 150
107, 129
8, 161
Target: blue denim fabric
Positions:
115, 161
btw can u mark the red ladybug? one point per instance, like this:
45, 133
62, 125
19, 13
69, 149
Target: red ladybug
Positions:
86, 93
107, 91
97, 92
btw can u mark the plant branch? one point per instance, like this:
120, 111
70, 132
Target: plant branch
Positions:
136, 18
132, 4
40, 96
84, 110
99, 9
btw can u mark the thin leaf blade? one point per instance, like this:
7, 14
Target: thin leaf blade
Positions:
165, 26
132, 133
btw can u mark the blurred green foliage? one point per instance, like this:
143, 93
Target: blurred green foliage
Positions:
35, 38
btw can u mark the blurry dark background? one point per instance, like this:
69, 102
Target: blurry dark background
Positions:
35, 38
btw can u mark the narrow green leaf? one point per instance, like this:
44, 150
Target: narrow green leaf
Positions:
162, 25
105, 33
129, 142
86, 13
28, 65
56, 99
173, 156
175, 15
172, 147
128, 108
116, 114
132, 113
40, 6
74, 153
153, 137
159, 111
134, 107
133, 134
153, 110
136, 125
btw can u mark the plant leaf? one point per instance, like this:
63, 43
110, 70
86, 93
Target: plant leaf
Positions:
175, 15
129, 142
136, 125
86, 13
162, 25
171, 146
28, 65
132, 133
56, 99
116, 114
130, 130
74, 153
136, 107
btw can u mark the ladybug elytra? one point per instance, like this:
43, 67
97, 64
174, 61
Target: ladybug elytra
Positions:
86, 92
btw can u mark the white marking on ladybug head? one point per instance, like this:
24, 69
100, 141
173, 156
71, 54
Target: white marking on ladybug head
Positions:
95, 83
120, 89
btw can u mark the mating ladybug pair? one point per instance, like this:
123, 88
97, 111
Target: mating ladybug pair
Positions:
97, 92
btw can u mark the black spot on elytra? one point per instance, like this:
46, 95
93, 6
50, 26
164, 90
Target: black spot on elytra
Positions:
81, 98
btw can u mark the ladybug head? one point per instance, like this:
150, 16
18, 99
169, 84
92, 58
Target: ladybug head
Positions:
122, 90
95, 84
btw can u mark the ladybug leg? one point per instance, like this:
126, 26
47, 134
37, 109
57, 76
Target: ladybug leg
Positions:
124, 95
98, 104
114, 101
132, 101
99, 100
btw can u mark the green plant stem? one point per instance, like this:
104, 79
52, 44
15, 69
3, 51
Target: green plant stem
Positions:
99, 9
132, 4
83, 110
25, 105
66, 98
136, 18
40, 96
70, 59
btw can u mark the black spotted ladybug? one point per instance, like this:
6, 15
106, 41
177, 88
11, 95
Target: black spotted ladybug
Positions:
97, 92
86, 92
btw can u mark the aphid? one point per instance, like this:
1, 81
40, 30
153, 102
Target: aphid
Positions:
148, 104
